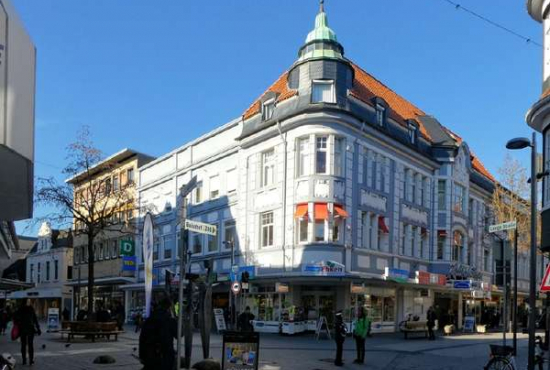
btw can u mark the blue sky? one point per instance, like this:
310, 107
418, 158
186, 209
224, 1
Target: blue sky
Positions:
154, 75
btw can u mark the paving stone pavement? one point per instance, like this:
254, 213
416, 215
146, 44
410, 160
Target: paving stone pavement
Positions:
384, 352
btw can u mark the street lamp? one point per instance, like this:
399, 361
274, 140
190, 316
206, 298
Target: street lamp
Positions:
515, 144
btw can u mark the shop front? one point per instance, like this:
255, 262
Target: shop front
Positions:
380, 305
108, 293
42, 299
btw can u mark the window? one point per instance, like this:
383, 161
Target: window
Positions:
47, 270
114, 249
321, 154
440, 247
458, 245
470, 254
100, 252
303, 224
38, 275
303, 156
212, 243
413, 132
168, 245
336, 227
423, 243
319, 230
214, 187
404, 240
156, 247
380, 114
130, 176
56, 270
196, 243
108, 188
266, 222
338, 156
76, 256
229, 234
231, 180
267, 109
413, 187
486, 259
441, 184
471, 211
414, 241
323, 92
116, 184
268, 167
198, 193
32, 273
460, 193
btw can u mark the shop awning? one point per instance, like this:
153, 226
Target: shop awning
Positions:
321, 211
301, 211
339, 211
103, 281
36, 293
9, 284
382, 225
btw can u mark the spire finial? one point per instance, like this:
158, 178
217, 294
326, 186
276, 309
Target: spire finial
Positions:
321, 6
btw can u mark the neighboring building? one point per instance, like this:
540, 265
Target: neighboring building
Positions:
15, 268
17, 90
48, 266
115, 174
538, 116
335, 192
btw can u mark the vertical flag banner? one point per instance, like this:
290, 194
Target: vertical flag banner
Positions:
147, 245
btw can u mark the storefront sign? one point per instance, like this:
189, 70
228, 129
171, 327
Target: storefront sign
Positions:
53, 319
358, 289
281, 288
240, 351
462, 271
127, 248
220, 319
237, 272
324, 268
129, 263
428, 278
462, 284
396, 274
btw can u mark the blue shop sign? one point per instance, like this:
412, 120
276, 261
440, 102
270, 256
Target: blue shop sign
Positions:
462, 284
396, 274
128, 263
237, 277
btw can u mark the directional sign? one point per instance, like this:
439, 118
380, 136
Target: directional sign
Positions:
187, 188
236, 287
201, 227
545, 284
504, 226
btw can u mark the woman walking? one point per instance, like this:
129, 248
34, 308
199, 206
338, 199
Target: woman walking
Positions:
26, 320
360, 333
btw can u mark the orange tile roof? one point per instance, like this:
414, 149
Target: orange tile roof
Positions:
365, 87
280, 87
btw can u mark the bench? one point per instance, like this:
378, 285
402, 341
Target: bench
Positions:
90, 330
407, 327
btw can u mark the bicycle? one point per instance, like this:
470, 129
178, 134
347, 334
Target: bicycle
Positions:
502, 357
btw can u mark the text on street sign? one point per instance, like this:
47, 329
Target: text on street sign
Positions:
504, 226
200, 227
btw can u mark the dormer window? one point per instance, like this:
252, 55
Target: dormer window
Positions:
380, 114
413, 133
267, 109
322, 91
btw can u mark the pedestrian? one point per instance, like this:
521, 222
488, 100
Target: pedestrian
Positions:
120, 315
340, 332
244, 322
138, 320
360, 333
66, 314
156, 340
3, 320
430, 315
25, 318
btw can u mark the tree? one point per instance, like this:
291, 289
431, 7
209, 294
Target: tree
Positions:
86, 201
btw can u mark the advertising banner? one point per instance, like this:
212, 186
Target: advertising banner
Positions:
240, 351
324, 268
53, 319
147, 245
220, 320
396, 274
128, 263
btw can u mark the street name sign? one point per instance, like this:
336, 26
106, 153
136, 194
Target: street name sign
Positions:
201, 227
545, 284
503, 226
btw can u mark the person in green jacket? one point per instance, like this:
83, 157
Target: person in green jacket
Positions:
360, 333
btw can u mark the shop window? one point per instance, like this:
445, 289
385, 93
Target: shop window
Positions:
458, 245
440, 247
230, 234
321, 154
323, 91
266, 223
303, 156
441, 204
212, 243
168, 245
196, 243
268, 167
338, 156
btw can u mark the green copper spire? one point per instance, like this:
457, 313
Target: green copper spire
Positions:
322, 41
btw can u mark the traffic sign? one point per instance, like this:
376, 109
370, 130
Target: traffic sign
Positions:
503, 226
236, 287
201, 227
545, 284
187, 188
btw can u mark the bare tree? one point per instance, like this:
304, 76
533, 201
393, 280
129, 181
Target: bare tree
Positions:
87, 201
511, 200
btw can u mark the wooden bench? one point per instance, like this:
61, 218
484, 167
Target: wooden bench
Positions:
407, 327
90, 330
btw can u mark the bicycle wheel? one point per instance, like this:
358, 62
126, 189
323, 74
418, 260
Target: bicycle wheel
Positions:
499, 363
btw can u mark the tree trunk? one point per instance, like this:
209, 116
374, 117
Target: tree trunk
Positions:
90, 277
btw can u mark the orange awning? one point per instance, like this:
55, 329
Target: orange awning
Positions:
339, 211
321, 212
301, 210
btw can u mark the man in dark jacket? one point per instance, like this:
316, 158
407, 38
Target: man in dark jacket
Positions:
244, 321
25, 319
156, 340
340, 331
430, 316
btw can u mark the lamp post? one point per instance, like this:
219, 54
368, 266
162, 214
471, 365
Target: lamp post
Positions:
515, 144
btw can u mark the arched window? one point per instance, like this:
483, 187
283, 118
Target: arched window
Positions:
458, 245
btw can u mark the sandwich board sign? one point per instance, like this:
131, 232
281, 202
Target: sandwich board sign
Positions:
545, 284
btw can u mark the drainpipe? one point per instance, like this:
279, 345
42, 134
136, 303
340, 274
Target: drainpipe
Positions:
283, 139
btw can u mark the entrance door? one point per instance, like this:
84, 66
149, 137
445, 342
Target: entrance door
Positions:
317, 304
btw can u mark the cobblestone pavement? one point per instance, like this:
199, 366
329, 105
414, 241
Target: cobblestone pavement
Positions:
387, 352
